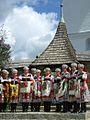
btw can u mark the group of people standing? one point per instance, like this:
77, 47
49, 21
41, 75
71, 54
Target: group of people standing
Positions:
67, 89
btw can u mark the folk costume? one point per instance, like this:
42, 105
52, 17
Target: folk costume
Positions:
37, 92
72, 88
5, 91
33, 72
1, 95
57, 82
47, 89
83, 88
65, 87
26, 89
14, 90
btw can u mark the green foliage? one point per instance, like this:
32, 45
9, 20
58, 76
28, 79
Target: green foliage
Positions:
4, 53
88, 67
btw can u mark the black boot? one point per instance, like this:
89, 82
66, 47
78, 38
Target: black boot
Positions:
15, 105
12, 110
74, 107
58, 107
32, 107
27, 105
1, 107
70, 106
23, 107
78, 107
4, 106
35, 107
47, 106
83, 107
38, 107
65, 106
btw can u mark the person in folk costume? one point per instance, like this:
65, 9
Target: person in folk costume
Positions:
33, 72
84, 92
65, 79
47, 89
5, 92
72, 87
37, 91
57, 81
14, 90
26, 84
1, 94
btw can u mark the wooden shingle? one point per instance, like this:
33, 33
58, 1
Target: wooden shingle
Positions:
59, 51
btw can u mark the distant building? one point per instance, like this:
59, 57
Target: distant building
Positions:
72, 46
18, 64
61, 50
77, 18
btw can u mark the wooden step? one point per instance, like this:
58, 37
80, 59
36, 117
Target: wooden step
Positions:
44, 116
53, 107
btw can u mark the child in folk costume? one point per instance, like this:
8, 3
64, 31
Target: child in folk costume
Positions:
83, 88
72, 87
37, 91
14, 90
26, 84
65, 94
47, 89
5, 92
57, 81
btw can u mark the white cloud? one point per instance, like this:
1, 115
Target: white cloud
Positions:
6, 6
31, 2
32, 31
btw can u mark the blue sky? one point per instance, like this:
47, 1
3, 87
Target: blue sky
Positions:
41, 6
51, 6
30, 25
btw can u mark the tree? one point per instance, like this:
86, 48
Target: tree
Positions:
4, 49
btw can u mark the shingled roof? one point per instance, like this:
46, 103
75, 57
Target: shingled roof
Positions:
59, 51
85, 56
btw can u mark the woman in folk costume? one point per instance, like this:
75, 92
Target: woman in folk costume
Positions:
33, 72
57, 82
1, 94
47, 89
5, 92
14, 90
26, 88
65, 94
72, 87
37, 91
83, 88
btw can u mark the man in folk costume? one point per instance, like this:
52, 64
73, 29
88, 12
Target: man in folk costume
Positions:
33, 72
72, 87
5, 93
26, 84
65, 79
14, 90
37, 91
57, 81
47, 89
84, 92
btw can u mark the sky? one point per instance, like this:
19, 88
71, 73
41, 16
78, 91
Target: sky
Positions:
30, 25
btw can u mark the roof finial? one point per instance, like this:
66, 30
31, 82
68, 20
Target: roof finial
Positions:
62, 17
